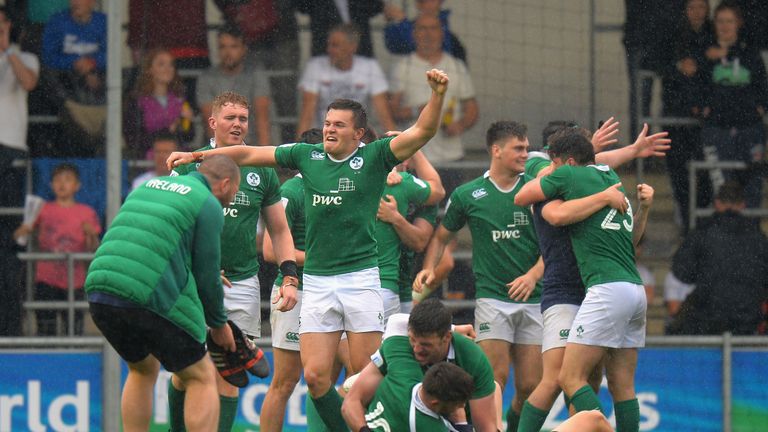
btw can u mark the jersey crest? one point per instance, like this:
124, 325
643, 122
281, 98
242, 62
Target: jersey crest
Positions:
356, 163
253, 179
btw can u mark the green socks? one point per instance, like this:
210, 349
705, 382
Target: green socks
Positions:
314, 421
329, 408
228, 412
585, 399
176, 408
627, 415
513, 419
531, 418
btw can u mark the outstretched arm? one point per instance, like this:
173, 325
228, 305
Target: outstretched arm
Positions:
559, 212
644, 146
277, 226
415, 137
242, 155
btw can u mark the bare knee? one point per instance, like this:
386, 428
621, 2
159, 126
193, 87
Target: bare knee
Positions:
284, 383
318, 383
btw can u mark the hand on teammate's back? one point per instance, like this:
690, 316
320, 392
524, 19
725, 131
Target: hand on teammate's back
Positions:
223, 337
616, 198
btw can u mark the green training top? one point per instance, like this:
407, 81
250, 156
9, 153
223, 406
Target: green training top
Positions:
411, 191
504, 242
602, 243
293, 200
341, 198
259, 188
463, 352
162, 252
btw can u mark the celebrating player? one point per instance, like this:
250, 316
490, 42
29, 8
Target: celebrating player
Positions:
258, 193
343, 184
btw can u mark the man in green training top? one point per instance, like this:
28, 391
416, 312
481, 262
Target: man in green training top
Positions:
258, 195
343, 182
154, 286
506, 262
611, 319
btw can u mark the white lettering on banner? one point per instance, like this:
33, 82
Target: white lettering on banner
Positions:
230, 212
248, 400
79, 401
165, 185
325, 200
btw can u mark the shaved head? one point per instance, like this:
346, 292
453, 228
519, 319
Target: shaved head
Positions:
219, 167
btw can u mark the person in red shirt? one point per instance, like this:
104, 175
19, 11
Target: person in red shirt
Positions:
63, 225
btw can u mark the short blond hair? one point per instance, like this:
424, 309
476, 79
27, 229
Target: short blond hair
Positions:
228, 98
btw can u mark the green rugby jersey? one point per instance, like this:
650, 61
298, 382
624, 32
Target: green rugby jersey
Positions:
395, 405
412, 190
463, 352
408, 256
536, 162
259, 187
292, 192
341, 198
602, 243
504, 243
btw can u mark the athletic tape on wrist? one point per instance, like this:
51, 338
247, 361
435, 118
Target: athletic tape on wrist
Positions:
289, 268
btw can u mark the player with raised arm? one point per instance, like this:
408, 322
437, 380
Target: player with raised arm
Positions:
258, 194
426, 337
562, 288
611, 319
505, 262
343, 184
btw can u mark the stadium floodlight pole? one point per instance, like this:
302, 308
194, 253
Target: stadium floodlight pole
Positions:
114, 126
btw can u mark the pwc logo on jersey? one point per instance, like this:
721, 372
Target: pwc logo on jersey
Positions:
506, 234
316, 155
241, 199
345, 185
479, 193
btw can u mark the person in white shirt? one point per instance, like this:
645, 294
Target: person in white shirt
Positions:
342, 74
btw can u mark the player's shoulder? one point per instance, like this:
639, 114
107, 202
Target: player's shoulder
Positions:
474, 189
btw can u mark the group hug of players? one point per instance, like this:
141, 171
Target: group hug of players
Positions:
558, 295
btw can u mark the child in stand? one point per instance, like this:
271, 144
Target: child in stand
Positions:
63, 225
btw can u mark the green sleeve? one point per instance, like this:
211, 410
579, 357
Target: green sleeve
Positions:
428, 213
180, 170
206, 261
455, 216
418, 190
556, 184
534, 165
272, 190
285, 155
383, 146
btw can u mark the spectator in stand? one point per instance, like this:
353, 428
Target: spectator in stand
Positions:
727, 259
460, 110
157, 102
342, 74
272, 35
37, 14
735, 97
233, 75
682, 92
675, 292
19, 75
398, 34
187, 41
163, 144
74, 58
647, 44
63, 225
324, 15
